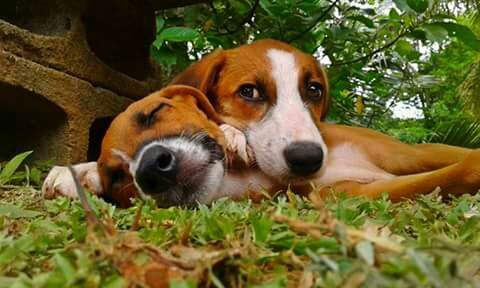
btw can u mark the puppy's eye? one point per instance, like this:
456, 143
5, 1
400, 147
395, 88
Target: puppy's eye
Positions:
250, 93
314, 91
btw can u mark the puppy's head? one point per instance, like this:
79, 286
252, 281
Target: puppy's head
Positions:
277, 95
167, 146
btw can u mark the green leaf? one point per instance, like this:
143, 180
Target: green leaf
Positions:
366, 251
435, 32
418, 5
66, 267
164, 56
179, 34
182, 284
12, 166
114, 282
393, 15
160, 22
364, 20
35, 176
261, 227
463, 33
12, 211
404, 47
402, 5
240, 6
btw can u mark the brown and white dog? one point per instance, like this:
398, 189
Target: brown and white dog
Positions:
277, 96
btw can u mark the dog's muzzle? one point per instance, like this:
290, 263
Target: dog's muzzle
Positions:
157, 170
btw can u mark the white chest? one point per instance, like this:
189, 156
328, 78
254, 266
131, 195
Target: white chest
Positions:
347, 163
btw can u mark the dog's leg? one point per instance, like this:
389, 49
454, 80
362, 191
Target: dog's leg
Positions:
458, 178
59, 181
390, 154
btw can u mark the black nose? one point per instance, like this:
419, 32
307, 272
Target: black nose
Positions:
304, 158
157, 170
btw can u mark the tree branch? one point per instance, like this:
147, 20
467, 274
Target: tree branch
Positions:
315, 22
374, 52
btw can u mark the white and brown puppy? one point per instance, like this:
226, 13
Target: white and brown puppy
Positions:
277, 96
168, 146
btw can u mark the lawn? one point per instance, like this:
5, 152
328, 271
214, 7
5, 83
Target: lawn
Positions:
287, 241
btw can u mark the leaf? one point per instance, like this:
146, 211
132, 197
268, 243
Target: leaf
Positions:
240, 6
402, 5
435, 32
403, 47
114, 282
35, 176
12, 211
426, 267
365, 250
179, 34
66, 267
12, 166
160, 22
364, 20
182, 284
393, 15
261, 227
463, 33
164, 56
418, 5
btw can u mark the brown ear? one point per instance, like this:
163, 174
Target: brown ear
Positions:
203, 74
202, 101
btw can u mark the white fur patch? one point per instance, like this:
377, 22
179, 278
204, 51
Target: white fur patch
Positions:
347, 163
287, 121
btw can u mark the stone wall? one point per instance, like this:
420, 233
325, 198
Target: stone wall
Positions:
68, 67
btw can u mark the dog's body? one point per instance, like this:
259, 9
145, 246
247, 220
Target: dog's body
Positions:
277, 96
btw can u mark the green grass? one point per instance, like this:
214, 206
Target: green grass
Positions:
284, 242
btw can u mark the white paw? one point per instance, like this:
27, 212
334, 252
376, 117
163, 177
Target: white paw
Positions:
236, 143
59, 181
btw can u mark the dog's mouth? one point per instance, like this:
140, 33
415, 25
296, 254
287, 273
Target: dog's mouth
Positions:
179, 170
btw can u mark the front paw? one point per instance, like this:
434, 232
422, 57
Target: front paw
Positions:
59, 181
236, 145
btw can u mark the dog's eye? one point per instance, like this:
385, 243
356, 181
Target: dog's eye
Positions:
250, 93
314, 91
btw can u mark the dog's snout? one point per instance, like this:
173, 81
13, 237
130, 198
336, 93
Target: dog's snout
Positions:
157, 170
304, 158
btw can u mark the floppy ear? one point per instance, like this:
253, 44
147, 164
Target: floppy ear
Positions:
202, 101
203, 74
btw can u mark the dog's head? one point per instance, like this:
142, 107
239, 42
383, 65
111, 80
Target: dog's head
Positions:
276, 94
168, 146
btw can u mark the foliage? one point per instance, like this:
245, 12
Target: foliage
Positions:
278, 243
9, 174
464, 132
377, 54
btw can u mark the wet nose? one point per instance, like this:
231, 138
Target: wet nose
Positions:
304, 158
157, 170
